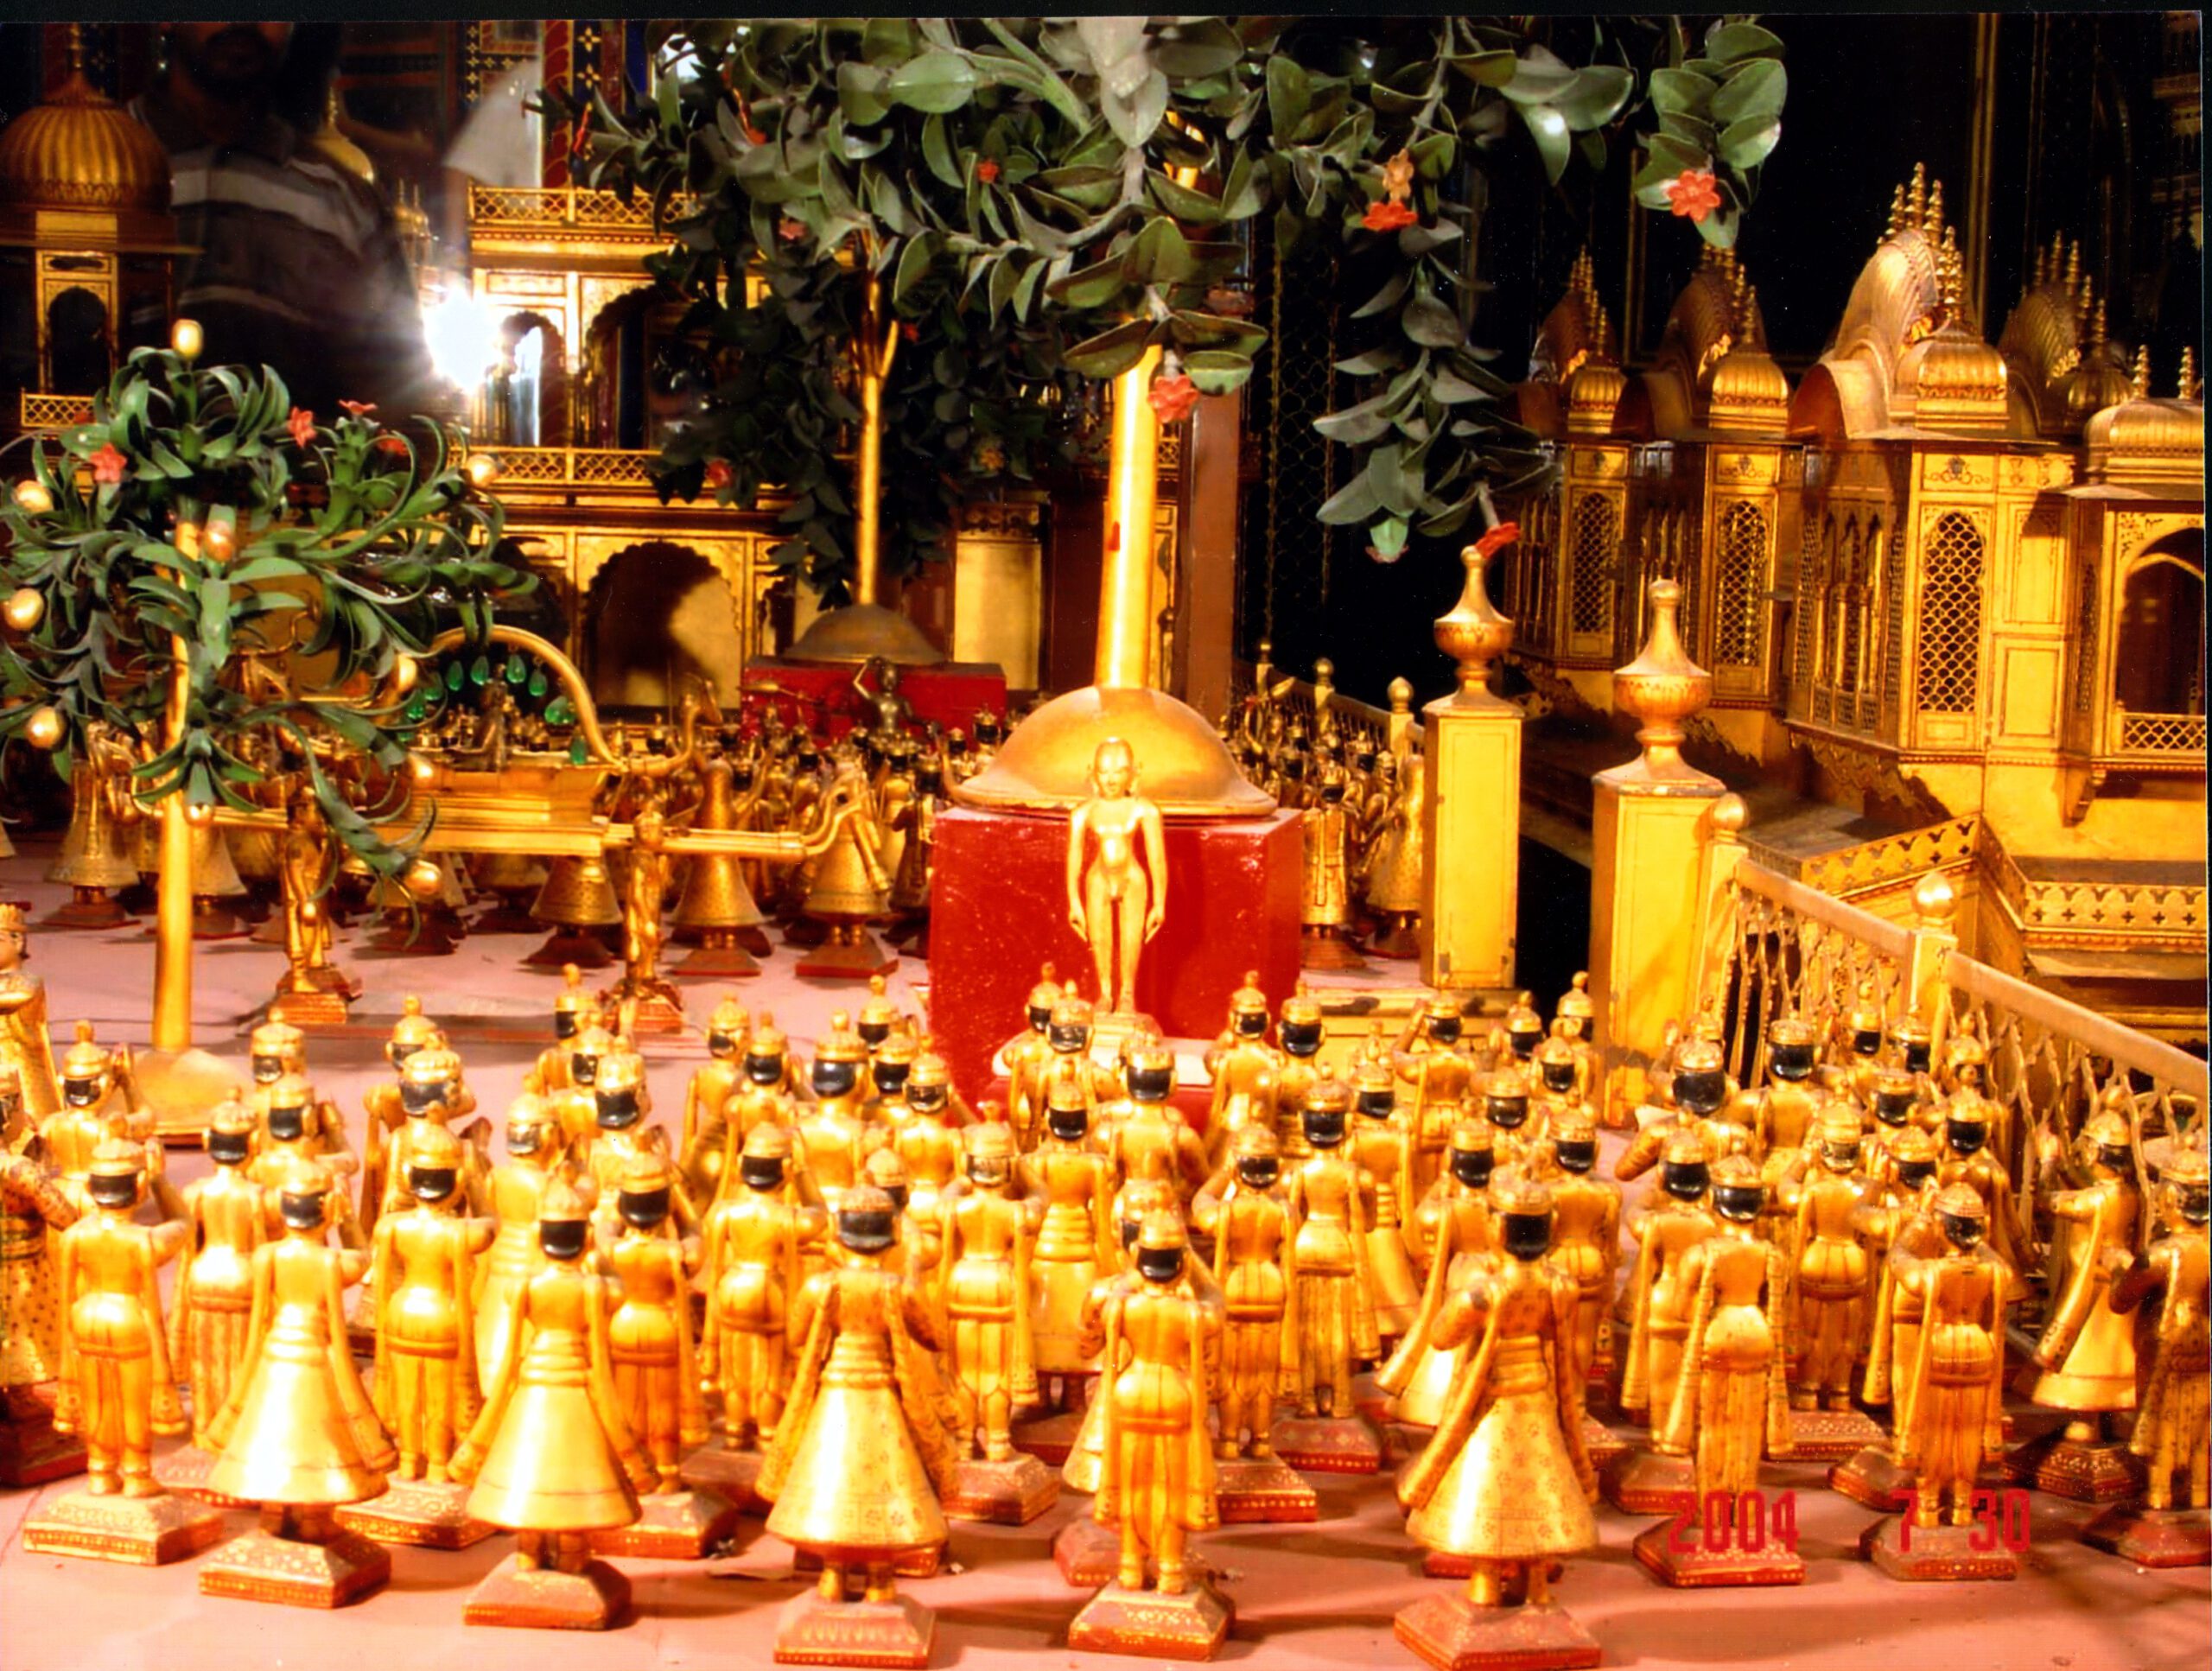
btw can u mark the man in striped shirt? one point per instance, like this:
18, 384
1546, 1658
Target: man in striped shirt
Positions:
297, 265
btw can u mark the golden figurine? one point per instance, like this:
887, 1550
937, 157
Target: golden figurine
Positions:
1559, 1094
1244, 1068
835, 1134
988, 1224
1452, 1227
294, 1125
118, 1391
1661, 1301
100, 1103
625, 1134
24, 1040
922, 1134
1504, 1481
1972, 1122
1161, 1357
1086, 1457
1576, 1021
1391, 867
1380, 1145
889, 713
1151, 1141
577, 1108
551, 1457
1897, 1225
1442, 1079
849, 888
1328, 1192
860, 1455
2169, 1525
1324, 909
1523, 1029
515, 1191
707, 1098
1698, 1090
95, 860
657, 1372
432, 1096
1298, 1036
2087, 1354
1586, 1233
1025, 1056
211, 1318
383, 1102
1730, 1407
573, 1009
298, 1434
307, 863
879, 1017
1116, 875
1826, 1288
768, 1094
1075, 1241
659, 1007
35, 1212
1068, 1061
1950, 1406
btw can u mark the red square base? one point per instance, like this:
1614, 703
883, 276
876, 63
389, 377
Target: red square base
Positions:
999, 909
821, 694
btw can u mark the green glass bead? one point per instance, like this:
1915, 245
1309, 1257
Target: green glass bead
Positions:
517, 672
537, 685
480, 671
557, 711
577, 752
455, 676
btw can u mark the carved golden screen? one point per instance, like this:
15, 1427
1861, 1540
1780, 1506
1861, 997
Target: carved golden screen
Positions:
1591, 563
1949, 666
1740, 572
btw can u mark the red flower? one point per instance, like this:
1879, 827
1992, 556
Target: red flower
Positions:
755, 135
581, 142
391, 444
1502, 535
987, 170
108, 465
1173, 395
1693, 192
791, 230
301, 424
719, 475
911, 331
1383, 216
358, 408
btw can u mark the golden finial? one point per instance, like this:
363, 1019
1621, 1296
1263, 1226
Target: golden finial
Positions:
1896, 223
1916, 199
2074, 268
2042, 270
1934, 224
2097, 327
1604, 332
2141, 382
1949, 275
1753, 326
2188, 389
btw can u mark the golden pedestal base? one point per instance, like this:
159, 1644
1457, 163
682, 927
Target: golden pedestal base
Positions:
660, 1006
728, 1474
1641, 1483
1601, 1443
812, 1630
721, 953
1328, 949
1877, 1479
543, 1598
1937, 1554
1087, 1553
1660, 1552
848, 952
2081, 1471
1189, 1625
137, 1531
1328, 1444
31, 1452
260, 1567
185, 1469
2152, 1537
309, 1010
1264, 1491
88, 907
1453, 1634
1832, 1435
1049, 1438
909, 1564
1010, 1493
672, 1525
418, 1513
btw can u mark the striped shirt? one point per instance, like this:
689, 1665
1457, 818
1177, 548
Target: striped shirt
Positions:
296, 265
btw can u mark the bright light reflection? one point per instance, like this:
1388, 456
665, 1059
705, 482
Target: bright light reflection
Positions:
462, 335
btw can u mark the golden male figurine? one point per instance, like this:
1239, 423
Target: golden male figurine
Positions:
23, 1037
755, 1236
1243, 1067
1379, 1141
515, 1190
861, 1456
299, 1435
1453, 1227
1027, 1053
1336, 1309
1441, 1077
1152, 1140
1661, 1300
707, 1098
1586, 1231
1162, 1347
1829, 1285
552, 1458
625, 1134
1255, 1263
1504, 1482
1076, 1241
34, 1211
384, 1103
292, 1128
211, 1318
1729, 1407
924, 1136
1116, 874
117, 1388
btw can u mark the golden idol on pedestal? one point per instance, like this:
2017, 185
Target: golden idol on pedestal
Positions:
1116, 875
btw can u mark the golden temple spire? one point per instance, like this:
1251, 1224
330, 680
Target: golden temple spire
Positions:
1896, 223
2097, 326
1916, 201
2189, 390
2074, 269
1949, 276
1934, 224
2141, 383
1753, 326
1605, 334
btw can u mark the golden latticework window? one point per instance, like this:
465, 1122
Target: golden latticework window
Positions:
1949, 668
1894, 626
2085, 639
1739, 566
1812, 576
1590, 565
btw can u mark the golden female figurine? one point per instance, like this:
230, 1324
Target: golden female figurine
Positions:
1828, 1286
1243, 1067
299, 1434
1442, 1079
1256, 1265
1380, 1144
754, 1236
1074, 1242
1504, 1482
1117, 894
1661, 1300
2087, 1354
985, 1287
1729, 1407
835, 1134
860, 1455
1950, 1413
1392, 865
1453, 1230
1335, 1306
1152, 1140
1162, 1347
117, 1388
1324, 903
34, 1211
1026, 1054
1298, 1034
24, 1040
212, 1319
624, 1136
550, 1457
706, 1101
1586, 1233
924, 1137
657, 1377
2169, 1526
515, 1191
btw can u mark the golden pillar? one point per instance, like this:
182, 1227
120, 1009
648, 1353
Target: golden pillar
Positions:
1471, 820
1650, 833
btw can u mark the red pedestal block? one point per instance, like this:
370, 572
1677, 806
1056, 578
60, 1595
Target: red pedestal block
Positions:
998, 908
820, 693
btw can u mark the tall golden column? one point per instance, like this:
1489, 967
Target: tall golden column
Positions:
1650, 830
1471, 820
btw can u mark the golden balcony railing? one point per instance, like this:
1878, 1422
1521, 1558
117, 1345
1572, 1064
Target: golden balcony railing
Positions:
1880, 863
560, 211
42, 412
2163, 734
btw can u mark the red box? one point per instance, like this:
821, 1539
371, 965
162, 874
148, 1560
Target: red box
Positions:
821, 694
998, 908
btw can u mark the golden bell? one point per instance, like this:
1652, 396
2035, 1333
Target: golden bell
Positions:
26, 607
509, 873
97, 852
424, 880
716, 898
405, 672
577, 894
213, 876
33, 499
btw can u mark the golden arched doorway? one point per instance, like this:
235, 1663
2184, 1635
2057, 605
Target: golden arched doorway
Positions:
657, 613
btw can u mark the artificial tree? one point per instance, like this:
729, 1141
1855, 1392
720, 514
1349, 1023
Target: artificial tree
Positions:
237, 589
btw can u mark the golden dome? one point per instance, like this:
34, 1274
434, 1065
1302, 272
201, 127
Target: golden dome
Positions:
1953, 381
81, 151
2142, 439
1593, 396
2095, 384
1748, 391
1182, 767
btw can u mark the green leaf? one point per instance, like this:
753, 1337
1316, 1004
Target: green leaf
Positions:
1488, 69
1181, 201
1538, 80
1388, 297
1433, 156
1136, 118
1388, 537
1240, 196
913, 265
1158, 255
1089, 287
860, 92
1005, 275
1747, 144
1201, 330
1290, 93
1755, 90
1354, 502
1206, 47
1595, 96
1217, 370
937, 154
1110, 352
1024, 294
1548, 129
939, 82
1357, 424
1730, 41
1682, 90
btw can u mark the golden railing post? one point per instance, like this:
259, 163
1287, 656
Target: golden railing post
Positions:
1650, 833
1721, 832
1933, 940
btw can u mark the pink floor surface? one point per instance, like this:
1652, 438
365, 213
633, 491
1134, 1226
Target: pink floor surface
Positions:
1318, 1596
